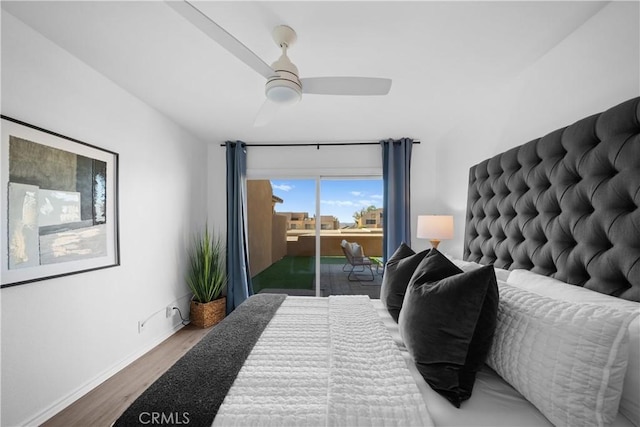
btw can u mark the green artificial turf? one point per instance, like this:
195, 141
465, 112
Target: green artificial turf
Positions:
291, 273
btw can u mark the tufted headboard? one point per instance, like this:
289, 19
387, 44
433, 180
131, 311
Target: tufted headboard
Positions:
564, 205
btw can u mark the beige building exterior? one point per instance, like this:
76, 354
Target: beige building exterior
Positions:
302, 221
267, 230
371, 219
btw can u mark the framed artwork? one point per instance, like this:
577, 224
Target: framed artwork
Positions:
59, 205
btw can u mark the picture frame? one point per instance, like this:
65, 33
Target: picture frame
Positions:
59, 205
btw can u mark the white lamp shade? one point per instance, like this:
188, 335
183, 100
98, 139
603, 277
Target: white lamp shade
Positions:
435, 227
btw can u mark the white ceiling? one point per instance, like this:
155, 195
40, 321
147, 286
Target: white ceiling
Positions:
439, 54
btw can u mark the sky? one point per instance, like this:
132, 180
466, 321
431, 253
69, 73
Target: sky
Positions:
340, 198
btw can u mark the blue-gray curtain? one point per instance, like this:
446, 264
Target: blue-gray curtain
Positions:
396, 165
239, 286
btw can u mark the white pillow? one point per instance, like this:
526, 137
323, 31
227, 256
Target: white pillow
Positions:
501, 273
568, 359
464, 265
548, 286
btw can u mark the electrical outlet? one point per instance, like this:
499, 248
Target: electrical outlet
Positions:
140, 326
170, 310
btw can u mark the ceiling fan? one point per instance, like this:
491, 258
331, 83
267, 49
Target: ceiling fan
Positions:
283, 86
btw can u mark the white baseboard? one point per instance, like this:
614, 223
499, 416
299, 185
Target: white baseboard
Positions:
65, 401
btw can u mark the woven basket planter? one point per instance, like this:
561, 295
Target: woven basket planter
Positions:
205, 315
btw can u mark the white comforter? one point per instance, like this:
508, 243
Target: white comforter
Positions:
324, 362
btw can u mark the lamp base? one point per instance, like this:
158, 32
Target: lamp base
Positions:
434, 243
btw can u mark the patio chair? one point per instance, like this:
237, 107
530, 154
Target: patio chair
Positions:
356, 263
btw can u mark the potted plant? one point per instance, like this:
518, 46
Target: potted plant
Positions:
207, 279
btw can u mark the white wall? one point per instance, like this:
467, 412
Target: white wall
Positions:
61, 337
593, 69
308, 161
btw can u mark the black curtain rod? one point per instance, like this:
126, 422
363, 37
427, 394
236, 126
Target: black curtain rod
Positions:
313, 144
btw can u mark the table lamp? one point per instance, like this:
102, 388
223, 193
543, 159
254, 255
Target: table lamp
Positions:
435, 228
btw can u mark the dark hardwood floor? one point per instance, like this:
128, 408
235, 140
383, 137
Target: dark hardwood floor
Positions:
105, 403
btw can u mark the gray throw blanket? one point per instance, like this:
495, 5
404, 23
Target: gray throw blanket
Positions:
193, 389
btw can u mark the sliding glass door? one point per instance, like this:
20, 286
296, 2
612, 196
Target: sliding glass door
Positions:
296, 233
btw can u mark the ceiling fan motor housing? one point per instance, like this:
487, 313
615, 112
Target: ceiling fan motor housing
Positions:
285, 88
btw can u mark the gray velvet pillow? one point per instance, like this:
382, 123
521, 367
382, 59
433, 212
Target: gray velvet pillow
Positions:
434, 266
448, 325
397, 273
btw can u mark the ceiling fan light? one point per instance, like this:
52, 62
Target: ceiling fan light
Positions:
282, 93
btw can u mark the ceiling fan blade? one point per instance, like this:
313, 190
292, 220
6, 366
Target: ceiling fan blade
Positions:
346, 85
266, 113
221, 36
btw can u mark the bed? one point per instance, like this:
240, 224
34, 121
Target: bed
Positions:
537, 325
